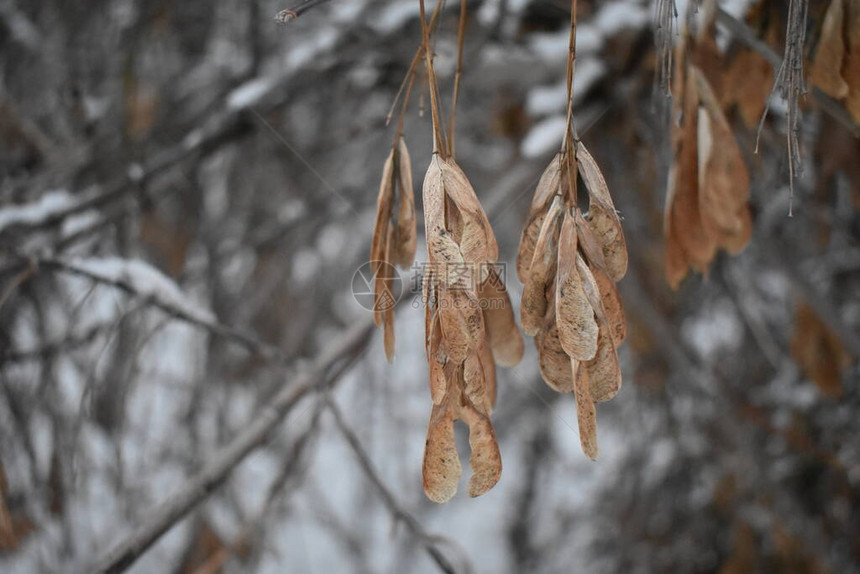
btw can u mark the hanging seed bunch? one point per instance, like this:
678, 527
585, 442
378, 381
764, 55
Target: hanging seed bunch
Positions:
569, 262
469, 323
708, 184
394, 236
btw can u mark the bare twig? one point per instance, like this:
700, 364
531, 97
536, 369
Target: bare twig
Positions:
428, 541
461, 36
290, 14
247, 340
747, 36
789, 81
666, 15
168, 513
216, 471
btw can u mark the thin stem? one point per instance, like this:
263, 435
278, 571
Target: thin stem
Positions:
461, 38
410, 72
571, 62
399, 132
290, 14
567, 147
438, 143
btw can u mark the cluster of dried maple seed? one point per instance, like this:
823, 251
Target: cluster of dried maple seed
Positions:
568, 261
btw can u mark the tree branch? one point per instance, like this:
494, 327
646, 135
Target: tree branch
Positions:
177, 506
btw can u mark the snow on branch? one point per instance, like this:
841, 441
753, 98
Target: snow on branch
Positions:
144, 280
37, 212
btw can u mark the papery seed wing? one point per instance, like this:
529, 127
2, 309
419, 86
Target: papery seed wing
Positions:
534, 303
489, 374
486, 460
586, 414
604, 372
436, 360
723, 175
478, 243
602, 216
388, 312
504, 336
441, 468
528, 240
474, 383
433, 194
590, 288
613, 307
554, 362
462, 322
406, 224
830, 54
379, 243
577, 328
547, 187
588, 242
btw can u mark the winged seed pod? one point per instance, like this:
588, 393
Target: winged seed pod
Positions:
469, 325
569, 263
394, 236
708, 184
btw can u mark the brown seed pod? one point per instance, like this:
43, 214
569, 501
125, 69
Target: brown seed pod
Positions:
504, 336
534, 303
441, 468
486, 460
554, 362
548, 186
586, 414
602, 216
460, 347
406, 235
577, 327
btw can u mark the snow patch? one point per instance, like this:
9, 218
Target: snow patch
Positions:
619, 16
249, 93
145, 280
37, 212
544, 137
